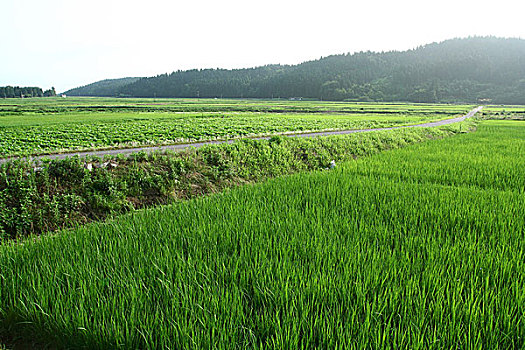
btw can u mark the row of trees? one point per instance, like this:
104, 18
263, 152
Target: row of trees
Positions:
458, 70
17, 91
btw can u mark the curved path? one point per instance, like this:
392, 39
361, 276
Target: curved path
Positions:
200, 144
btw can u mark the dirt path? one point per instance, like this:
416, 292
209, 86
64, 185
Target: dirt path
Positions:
200, 144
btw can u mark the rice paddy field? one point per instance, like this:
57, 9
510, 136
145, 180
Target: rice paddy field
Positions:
55, 125
506, 112
421, 247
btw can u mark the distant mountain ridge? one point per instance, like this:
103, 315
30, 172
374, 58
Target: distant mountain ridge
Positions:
478, 69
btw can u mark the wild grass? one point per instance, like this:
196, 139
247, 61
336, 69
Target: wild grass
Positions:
420, 248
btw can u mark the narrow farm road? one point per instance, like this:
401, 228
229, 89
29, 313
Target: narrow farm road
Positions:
182, 146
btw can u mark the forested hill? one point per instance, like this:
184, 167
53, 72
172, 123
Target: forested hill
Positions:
108, 87
457, 70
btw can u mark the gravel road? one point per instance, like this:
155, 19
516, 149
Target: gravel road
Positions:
200, 144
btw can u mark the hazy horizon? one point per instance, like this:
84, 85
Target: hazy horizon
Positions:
72, 43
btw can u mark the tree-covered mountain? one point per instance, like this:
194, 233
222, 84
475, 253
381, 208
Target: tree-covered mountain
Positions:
107, 87
458, 70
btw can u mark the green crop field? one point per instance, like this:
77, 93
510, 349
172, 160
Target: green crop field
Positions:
42, 126
421, 247
506, 112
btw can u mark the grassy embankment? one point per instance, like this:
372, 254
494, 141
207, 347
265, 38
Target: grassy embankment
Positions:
421, 247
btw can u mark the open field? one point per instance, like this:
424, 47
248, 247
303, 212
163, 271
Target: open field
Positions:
421, 247
71, 104
43, 126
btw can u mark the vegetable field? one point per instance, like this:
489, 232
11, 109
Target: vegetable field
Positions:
43, 126
421, 247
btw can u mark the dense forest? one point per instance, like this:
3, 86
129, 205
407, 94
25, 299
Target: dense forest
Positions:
17, 91
479, 69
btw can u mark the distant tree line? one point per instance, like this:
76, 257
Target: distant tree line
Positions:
458, 70
17, 91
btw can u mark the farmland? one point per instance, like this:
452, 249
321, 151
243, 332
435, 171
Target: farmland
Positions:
506, 112
419, 247
43, 126
62, 192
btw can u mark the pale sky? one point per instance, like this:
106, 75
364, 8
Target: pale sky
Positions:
69, 43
